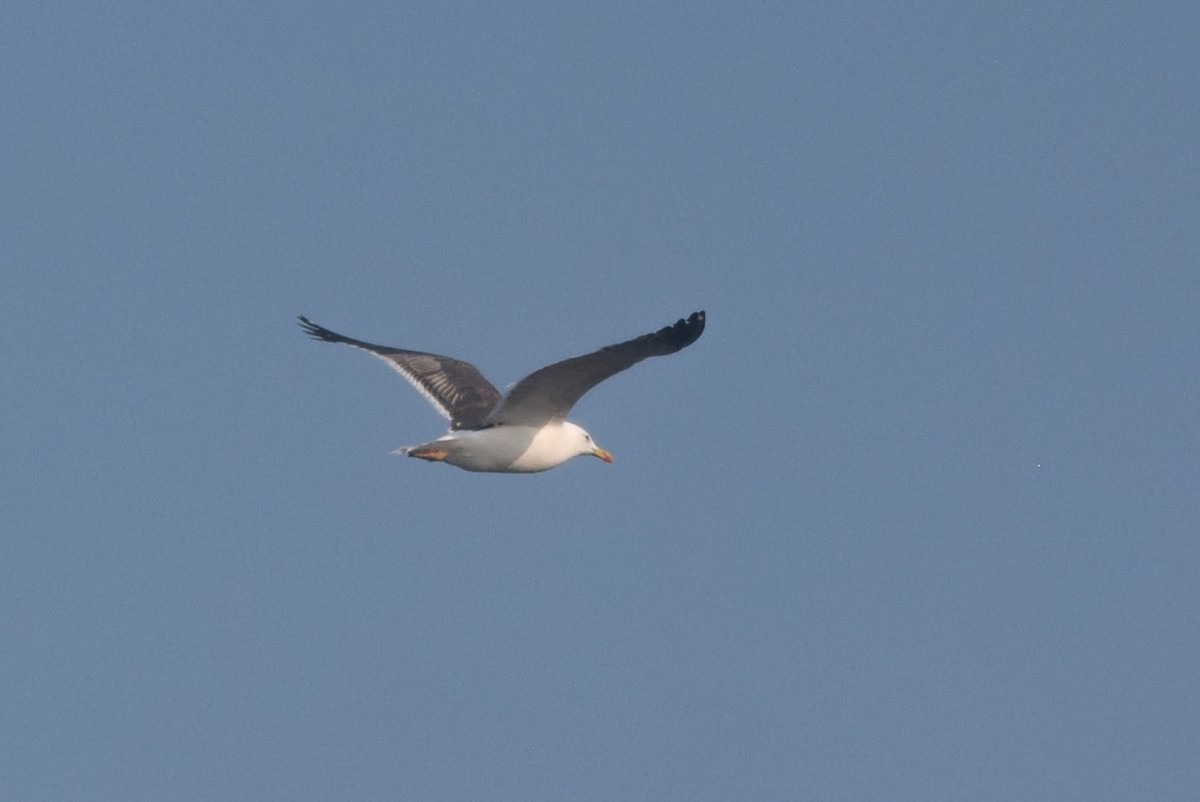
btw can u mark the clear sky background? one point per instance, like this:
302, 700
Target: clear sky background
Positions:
915, 519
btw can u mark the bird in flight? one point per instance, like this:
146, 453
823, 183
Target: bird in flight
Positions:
526, 429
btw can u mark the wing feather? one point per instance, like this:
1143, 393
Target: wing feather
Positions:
549, 393
456, 389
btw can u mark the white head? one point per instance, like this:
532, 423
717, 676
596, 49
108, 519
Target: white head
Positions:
584, 443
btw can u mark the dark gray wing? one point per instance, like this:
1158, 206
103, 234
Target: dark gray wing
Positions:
548, 394
455, 388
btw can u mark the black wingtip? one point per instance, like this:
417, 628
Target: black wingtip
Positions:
309, 327
317, 332
686, 332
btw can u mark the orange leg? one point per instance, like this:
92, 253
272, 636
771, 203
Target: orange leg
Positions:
431, 454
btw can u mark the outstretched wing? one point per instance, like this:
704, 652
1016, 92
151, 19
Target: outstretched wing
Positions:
455, 388
548, 394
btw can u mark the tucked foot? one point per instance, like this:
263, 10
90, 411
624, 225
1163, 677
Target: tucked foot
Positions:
425, 452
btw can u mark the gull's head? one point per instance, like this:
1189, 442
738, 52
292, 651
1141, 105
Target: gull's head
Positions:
585, 443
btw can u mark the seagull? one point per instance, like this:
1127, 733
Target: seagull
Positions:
526, 429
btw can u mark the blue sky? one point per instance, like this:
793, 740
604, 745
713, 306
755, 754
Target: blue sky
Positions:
915, 519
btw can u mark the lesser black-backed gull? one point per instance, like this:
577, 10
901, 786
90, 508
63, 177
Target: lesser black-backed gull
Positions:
524, 430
